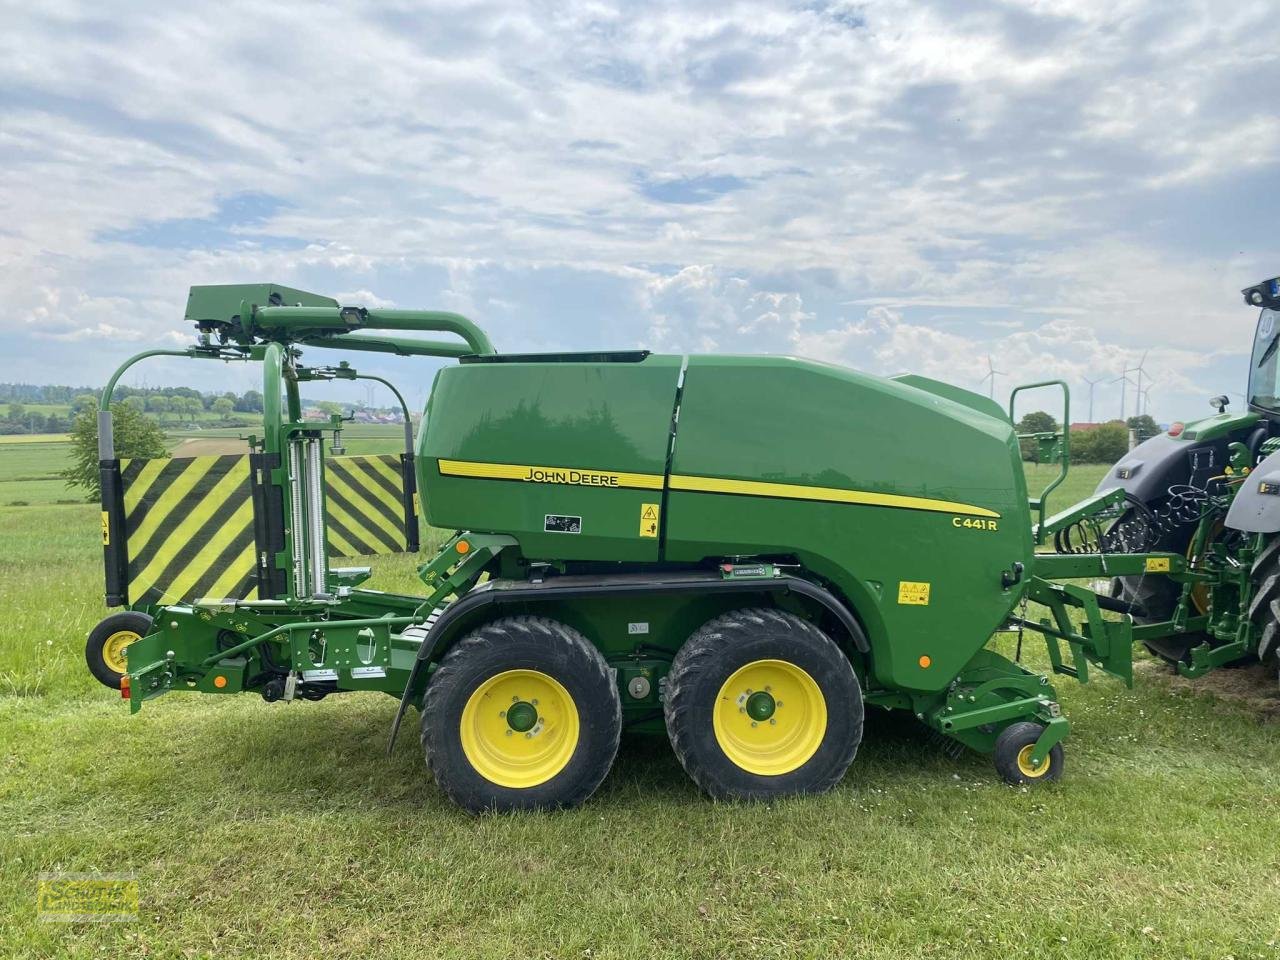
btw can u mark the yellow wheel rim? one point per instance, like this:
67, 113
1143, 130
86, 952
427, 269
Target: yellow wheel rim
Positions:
1024, 763
770, 717
113, 650
519, 728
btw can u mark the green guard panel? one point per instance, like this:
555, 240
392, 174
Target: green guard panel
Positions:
364, 505
189, 529
567, 456
911, 504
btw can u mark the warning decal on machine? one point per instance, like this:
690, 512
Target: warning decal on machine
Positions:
559, 523
1157, 564
649, 513
913, 593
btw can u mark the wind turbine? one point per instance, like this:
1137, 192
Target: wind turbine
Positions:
1146, 397
1092, 384
992, 373
1140, 370
1124, 382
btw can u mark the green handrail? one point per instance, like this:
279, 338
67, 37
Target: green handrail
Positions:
1039, 503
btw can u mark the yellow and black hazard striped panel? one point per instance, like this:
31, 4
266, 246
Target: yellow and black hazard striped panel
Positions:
364, 500
189, 529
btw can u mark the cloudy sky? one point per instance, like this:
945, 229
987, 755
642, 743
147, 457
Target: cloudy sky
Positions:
893, 185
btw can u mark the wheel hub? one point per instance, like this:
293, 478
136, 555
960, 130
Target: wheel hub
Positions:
522, 716
519, 728
113, 650
760, 705
1031, 768
770, 717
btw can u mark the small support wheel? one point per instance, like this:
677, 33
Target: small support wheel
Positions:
1012, 755
104, 650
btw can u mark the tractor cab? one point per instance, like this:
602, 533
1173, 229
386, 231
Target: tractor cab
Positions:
1264, 364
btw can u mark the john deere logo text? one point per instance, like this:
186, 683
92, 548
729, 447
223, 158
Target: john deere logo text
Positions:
582, 478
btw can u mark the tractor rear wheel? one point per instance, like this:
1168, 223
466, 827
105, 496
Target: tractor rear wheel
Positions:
522, 714
104, 650
1264, 609
761, 703
1155, 597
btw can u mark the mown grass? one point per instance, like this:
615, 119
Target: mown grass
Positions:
281, 830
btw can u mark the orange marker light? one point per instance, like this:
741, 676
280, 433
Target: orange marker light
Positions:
925, 662
462, 546
124, 687
219, 681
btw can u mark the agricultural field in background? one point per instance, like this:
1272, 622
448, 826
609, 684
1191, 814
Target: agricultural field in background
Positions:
284, 830
30, 463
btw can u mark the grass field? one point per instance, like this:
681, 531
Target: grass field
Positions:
30, 463
261, 830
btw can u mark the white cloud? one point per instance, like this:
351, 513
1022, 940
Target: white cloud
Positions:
986, 174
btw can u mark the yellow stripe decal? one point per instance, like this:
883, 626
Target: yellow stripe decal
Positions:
793, 491
572, 476
650, 481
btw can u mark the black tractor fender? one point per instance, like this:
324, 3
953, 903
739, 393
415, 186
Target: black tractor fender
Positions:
1256, 507
1148, 470
477, 605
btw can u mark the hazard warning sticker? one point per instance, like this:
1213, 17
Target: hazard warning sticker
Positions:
649, 519
913, 593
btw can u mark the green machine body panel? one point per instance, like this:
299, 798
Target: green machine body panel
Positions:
564, 455
910, 504
1225, 424
920, 560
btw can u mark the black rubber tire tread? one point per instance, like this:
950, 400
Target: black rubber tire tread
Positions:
1157, 597
712, 654
139, 623
1264, 609
1011, 741
511, 643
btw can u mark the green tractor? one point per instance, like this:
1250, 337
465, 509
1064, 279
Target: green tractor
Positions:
1179, 496
740, 553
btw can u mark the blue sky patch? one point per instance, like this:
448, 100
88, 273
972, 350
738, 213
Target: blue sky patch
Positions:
235, 223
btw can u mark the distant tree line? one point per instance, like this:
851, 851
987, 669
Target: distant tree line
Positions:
18, 419
1098, 443
165, 404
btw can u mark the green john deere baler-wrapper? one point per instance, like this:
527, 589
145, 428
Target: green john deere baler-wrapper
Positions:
743, 552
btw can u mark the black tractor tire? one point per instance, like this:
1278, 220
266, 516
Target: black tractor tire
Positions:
583, 718
1154, 597
1012, 750
1264, 608
106, 644
724, 648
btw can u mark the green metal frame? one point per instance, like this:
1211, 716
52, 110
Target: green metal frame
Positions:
1039, 503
